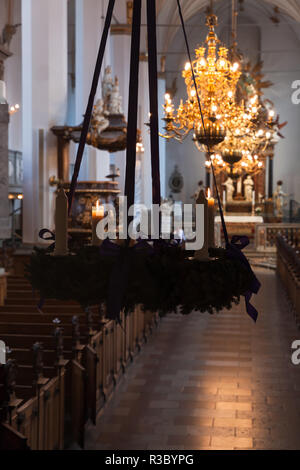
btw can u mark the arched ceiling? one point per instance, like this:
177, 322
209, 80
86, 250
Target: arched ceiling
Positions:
168, 14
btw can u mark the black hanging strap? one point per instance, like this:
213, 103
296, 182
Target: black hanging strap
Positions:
89, 109
152, 63
133, 104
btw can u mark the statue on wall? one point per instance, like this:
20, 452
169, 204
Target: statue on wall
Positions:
229, 189
107, 85
112, 101
197, 192
279, 199
99, 121
115, 102
248, 188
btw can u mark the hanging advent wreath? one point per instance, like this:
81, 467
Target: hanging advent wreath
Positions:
159, 275
163, 278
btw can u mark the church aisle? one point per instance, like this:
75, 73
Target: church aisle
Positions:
211, 382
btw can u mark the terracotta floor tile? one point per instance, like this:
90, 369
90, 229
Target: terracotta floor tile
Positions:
210, 382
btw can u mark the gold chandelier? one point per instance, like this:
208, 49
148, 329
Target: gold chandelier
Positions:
235, 133
216, 80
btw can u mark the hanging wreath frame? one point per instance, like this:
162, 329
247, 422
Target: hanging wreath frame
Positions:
164, 280
161, 276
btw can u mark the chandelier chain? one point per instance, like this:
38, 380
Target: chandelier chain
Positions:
202, 119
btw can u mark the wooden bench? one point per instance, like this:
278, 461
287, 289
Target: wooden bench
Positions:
96, 352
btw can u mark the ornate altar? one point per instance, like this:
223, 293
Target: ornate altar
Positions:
87, 194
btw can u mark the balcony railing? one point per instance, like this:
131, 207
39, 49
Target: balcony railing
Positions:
266, 235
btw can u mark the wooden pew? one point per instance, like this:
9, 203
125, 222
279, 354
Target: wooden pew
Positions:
10, 439
288, 269
97, 353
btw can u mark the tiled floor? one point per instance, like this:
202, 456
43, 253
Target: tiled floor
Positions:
211, 382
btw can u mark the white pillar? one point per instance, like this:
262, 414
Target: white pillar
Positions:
162, 141
89, 26
44, 92
144, 110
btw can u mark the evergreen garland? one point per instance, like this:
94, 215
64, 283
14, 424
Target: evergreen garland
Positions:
166, 279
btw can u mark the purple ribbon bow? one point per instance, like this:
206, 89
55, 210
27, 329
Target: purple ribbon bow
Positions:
234, 251
51, 236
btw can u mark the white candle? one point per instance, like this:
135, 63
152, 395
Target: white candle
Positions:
253, 198
97, 215
61, 224
203, 253
211, 220
224, 198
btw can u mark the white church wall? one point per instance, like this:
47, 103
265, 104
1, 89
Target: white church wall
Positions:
12, 75
281, 65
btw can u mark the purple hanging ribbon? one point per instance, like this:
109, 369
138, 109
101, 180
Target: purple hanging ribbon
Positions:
234, 251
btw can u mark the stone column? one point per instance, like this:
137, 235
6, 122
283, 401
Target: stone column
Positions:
4, 208
44, 91
162, 141
144, 109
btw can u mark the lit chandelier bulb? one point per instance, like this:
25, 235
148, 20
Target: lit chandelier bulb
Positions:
187, 66
235, 66
271, 113
202, 62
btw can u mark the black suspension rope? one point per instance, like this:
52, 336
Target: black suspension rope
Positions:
133, 104
202, 119
89, 108
152, 64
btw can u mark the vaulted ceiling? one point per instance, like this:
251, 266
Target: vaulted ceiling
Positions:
168, 13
